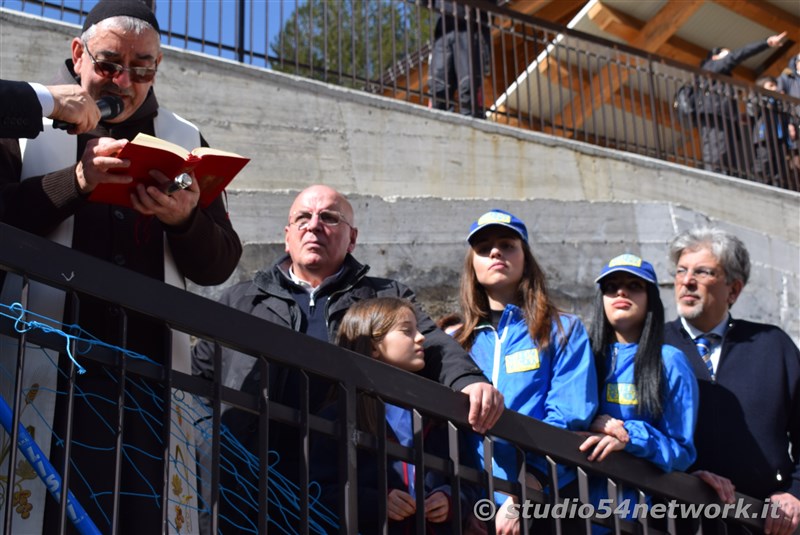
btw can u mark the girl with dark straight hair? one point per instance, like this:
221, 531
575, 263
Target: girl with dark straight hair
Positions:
649, 394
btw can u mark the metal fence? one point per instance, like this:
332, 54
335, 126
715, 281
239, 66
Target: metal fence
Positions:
486, 61
206, 475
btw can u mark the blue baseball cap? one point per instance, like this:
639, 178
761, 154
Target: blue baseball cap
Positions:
629, 263
499, 218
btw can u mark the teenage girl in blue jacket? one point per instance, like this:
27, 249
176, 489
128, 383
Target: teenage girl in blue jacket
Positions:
649, 394
538, 358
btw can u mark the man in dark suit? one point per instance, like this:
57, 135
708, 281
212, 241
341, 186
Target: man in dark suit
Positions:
748, 426
22, 106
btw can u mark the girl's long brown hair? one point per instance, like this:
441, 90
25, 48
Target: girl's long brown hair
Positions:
364, 325
532, 298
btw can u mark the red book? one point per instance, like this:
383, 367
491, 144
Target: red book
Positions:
213, 169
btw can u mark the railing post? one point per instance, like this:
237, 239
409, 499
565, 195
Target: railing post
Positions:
658, 118
240, 10
14, 433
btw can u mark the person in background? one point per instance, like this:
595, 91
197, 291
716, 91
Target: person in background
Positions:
789, 80
458, 52
450, 323
539, 358
789, 84
23, 104
772, 136
748, 425
385, 329
718, 114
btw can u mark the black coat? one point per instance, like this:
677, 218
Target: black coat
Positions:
20, 111
269, 296
749, 418
714, 97
454, 17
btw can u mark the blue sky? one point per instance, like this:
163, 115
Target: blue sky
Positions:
186, 17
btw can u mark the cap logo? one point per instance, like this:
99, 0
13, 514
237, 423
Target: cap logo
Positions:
625, 260
493, 217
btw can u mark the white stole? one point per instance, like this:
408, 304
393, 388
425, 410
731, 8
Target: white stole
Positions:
54, 149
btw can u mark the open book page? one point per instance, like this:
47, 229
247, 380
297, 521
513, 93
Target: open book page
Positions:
213, 169
150, 141
157, 143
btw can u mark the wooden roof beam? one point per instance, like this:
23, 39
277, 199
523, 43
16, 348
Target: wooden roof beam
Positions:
664, 24
780, 62
615, 22
527, 7
559, 11
627, 28
652, 35
765, 14
628, 97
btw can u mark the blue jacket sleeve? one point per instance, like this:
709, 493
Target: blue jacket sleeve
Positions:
670, 444
572, 397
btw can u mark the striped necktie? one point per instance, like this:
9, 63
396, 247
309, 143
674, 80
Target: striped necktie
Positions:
704, 343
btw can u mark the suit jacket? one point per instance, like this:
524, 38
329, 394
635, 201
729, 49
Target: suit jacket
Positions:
749, 419
20, 111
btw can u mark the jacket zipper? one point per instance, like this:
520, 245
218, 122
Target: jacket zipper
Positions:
498, 346
359, 276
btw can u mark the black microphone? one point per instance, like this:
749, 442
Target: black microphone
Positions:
110, 106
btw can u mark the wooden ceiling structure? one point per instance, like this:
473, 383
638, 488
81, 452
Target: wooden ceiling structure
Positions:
682, 31
658, 34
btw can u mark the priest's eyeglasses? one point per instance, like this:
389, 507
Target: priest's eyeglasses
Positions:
109, 69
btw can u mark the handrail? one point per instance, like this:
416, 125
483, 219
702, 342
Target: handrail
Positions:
21, 253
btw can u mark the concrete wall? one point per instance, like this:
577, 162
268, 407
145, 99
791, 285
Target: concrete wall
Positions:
418, 177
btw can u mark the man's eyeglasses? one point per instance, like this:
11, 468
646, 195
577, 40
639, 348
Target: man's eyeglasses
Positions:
109, 69
329, 218
700, 274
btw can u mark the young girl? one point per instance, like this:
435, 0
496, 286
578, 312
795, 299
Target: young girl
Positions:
537, 357
385, 328
649, 395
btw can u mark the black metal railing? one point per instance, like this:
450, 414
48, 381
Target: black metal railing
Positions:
524, 72
225, 475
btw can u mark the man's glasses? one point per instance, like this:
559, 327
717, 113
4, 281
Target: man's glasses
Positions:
329, 218
109, 69
700, 274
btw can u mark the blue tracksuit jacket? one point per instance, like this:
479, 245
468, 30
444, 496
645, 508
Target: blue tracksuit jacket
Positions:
666, 442
557, 386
